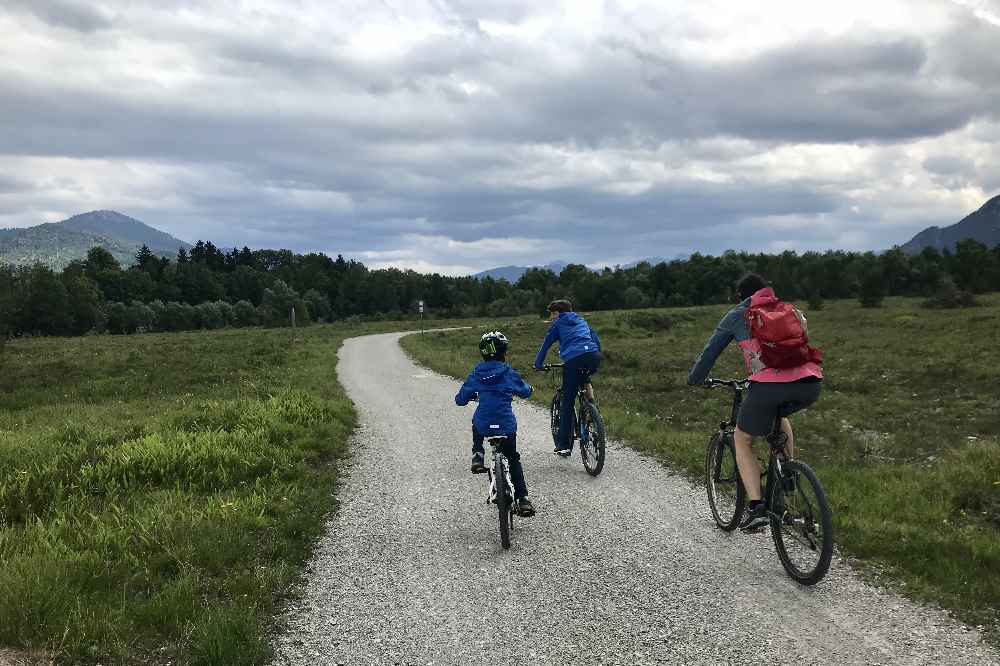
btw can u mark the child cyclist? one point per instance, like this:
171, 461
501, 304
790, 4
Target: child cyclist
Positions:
495, 384
580, 351
772, 391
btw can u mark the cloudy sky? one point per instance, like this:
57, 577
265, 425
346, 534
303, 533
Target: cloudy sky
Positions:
458, 135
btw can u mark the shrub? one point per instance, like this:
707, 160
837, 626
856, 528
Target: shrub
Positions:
244, 314
950, 296
651, 321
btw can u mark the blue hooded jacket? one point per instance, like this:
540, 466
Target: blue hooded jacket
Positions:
496, 384
575, 337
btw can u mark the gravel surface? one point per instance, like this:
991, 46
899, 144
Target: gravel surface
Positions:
626, 568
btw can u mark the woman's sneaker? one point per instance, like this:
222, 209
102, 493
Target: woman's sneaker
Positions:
524, 508
565, 453
478, 466
754, 517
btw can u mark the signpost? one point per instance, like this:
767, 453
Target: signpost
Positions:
420, 309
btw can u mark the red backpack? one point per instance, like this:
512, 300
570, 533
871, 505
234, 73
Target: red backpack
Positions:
781, 331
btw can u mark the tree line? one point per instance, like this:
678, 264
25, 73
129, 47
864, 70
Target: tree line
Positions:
211, 288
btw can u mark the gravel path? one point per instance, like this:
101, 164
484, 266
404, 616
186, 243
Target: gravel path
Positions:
627, 568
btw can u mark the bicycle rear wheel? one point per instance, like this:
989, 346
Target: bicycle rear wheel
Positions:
802, 524
726, 496
554, 410
592, 438
505, 504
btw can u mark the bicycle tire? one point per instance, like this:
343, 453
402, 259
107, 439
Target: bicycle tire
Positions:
722, 482
554, 411
504, 503
594, 449
795, 521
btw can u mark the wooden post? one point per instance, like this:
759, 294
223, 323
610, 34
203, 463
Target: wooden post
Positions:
292, 316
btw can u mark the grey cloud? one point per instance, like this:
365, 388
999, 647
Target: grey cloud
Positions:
79, 16
415, 153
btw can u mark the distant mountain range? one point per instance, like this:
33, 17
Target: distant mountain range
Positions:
58, 243
982, 225
513, 273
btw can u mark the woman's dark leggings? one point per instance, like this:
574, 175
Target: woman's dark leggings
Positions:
573, 377
509, 449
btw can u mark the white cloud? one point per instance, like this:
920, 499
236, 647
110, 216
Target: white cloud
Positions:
460, 135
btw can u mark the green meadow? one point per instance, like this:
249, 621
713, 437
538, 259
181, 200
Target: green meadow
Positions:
160, 493
906, 436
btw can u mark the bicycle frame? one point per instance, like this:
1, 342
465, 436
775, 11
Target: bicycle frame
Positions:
581, 396
495, 455
776, 440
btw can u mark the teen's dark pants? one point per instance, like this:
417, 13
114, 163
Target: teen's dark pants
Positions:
573, 376
509, 449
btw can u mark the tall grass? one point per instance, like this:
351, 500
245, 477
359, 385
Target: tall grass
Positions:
159, 493
904, 437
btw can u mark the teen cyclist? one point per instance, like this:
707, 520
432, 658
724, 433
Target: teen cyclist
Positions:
494, 384
580, 350
772, 390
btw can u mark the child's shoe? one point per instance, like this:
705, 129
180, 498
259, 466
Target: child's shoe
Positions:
524, 508
478, 466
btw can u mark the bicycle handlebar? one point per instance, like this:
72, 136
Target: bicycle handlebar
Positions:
549, 366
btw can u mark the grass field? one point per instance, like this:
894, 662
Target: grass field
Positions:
906, 437
159, 493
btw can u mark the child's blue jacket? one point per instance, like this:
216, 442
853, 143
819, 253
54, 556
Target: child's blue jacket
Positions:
575, 337
496, 384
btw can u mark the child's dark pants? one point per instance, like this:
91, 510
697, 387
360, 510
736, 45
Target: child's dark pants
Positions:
574, 372
509, 449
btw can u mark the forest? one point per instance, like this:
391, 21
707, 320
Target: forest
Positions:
209, 288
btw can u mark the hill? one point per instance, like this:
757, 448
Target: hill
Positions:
58, 243
513, 273
982, 225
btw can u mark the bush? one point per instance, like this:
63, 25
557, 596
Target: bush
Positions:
139, 317
635, 298
815, 301
209, 315
318, 304
651, 321
244, 314
116, 315
872, 291
949, 296
277, 305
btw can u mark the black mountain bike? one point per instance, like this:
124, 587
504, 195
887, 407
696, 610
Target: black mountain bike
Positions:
501, 491
588, 425
800, 516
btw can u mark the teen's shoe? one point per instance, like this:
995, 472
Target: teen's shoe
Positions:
478, 466
754, 517
565, 453
524, 508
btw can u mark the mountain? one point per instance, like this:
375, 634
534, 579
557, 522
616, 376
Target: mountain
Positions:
982, 225
513, 273
58, 243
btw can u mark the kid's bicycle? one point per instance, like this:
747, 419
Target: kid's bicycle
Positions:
501, 490
588, 424
800, 516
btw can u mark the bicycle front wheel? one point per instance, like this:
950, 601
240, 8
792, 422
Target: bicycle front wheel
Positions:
802, 524
505, 503
554, 410
726, 496
592, 438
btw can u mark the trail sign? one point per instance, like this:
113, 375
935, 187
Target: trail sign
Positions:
420, 307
